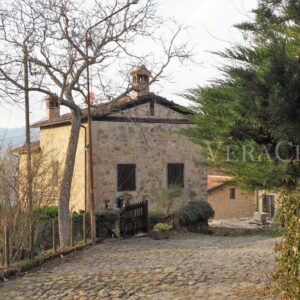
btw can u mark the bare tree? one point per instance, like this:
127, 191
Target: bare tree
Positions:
55, 33
14, 189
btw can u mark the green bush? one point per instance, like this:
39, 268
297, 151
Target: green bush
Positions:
277, 217
155, 217
106, 218
287, 273
195, 215
162, 227
45, 212
43, 227
167, 197
43, 234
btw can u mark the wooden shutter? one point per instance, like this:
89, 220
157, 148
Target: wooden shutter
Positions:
176, 174
126, 177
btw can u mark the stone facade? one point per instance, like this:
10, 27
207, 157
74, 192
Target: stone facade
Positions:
150, 146
142, 130
148, 140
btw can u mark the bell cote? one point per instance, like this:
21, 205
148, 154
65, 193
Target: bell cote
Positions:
52, 107
140, 79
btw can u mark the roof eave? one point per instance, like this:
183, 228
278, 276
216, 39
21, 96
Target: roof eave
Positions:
123, 106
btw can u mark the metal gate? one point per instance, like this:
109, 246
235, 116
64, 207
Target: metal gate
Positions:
134, 219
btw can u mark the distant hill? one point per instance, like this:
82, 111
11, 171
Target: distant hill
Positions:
15, 137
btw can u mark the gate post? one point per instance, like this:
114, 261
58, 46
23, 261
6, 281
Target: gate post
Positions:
146, 217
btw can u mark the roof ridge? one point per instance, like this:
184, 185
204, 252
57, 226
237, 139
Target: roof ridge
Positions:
105, 108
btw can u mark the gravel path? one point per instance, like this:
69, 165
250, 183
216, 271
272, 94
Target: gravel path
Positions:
190, 267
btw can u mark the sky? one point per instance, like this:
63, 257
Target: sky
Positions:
210, 25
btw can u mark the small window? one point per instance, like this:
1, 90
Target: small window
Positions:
143, 78
232, 193
53, 104
176, 174
126, 177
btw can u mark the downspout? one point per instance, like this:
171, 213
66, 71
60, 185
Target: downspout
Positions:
85, 160
85, 190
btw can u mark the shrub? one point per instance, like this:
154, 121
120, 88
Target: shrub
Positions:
43, 234
167, 197
45, 212
155, 217
287, 273
43, 217
277, 217
106, 218
162, 227
195, 215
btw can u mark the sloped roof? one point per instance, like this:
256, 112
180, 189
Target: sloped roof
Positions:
105, 109
216, 182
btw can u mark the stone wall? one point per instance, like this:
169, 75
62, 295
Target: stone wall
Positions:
243, 206
160, 111
151, 146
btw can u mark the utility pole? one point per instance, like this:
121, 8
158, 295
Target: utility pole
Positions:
28, 151
88, 43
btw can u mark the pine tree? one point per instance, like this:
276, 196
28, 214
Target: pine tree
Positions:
248, 123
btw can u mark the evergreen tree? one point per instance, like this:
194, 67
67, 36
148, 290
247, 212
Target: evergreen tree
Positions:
248, 123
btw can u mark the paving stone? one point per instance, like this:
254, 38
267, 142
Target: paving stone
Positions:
187, 267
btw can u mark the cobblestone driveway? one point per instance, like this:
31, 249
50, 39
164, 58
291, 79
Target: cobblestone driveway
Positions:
193, 267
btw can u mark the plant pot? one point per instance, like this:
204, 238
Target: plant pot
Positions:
160, 235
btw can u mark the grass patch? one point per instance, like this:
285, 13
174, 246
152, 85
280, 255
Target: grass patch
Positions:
270, 233
50, 278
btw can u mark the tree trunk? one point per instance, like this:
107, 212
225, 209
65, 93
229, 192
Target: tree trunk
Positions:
65, 189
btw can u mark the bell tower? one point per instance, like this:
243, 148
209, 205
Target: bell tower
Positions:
140, 78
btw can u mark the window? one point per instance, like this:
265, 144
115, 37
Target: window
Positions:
126, 177
176, 174
53, 104
232, 193
143, 78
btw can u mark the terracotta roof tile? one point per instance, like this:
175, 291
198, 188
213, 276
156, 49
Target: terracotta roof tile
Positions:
35, 147
216, 181
105, 109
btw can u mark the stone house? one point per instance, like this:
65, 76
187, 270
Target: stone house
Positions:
229, 201
137, 148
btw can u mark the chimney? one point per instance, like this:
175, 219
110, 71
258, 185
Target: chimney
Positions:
52, 107
140, 78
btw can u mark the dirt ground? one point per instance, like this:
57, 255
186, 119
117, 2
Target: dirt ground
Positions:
185, 267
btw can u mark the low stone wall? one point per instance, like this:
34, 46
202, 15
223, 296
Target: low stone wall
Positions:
28, 265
